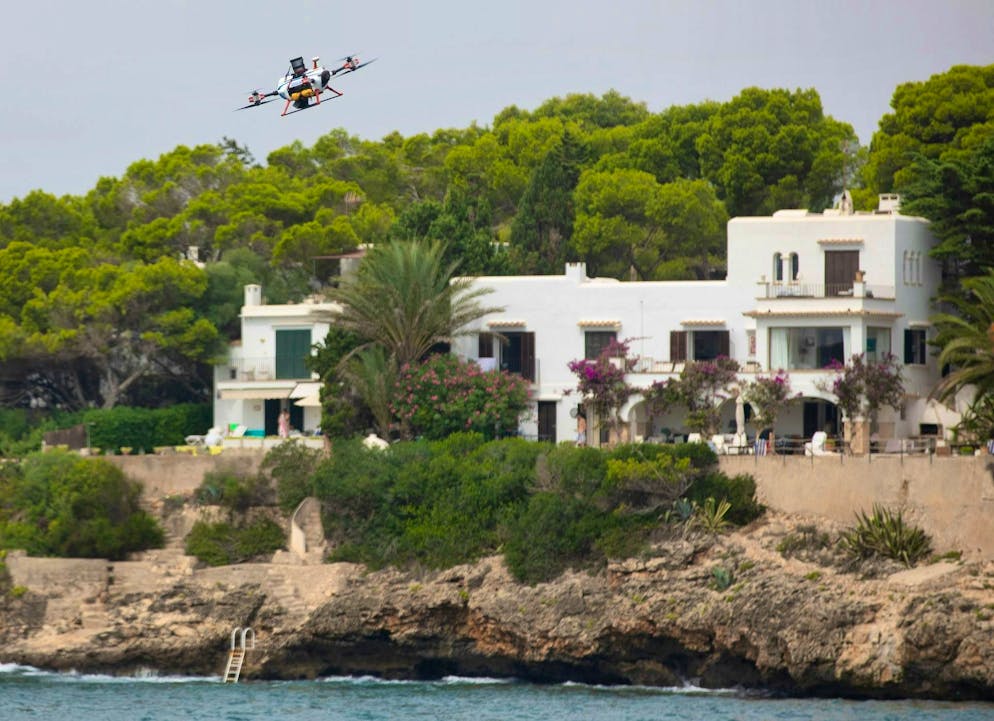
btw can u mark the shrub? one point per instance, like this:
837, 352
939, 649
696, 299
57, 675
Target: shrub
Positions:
739, 491
444, 395
434, 503
884, 533
722, 578
553, 533
222, 544
59, 504
290, 469
807, 539
234, 491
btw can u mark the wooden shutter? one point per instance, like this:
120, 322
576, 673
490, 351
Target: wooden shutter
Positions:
678, 345
528, 356
485, 346
840, 269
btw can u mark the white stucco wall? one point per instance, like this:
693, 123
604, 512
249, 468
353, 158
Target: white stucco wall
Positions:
558, 309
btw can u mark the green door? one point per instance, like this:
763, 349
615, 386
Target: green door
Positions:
292, 348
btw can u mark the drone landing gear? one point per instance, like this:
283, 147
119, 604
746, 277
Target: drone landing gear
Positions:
304, 103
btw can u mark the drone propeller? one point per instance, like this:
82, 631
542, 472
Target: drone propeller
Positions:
349, 68
257, 98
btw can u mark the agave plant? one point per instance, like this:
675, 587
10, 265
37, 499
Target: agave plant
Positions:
885, 533
711, 516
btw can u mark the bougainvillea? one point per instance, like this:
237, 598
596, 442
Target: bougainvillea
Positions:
602, 383
443, 395
702, 386
864, 388
768, 396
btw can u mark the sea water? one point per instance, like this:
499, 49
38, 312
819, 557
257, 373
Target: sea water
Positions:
26, 693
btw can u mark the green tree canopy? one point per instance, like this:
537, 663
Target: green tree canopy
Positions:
937, 119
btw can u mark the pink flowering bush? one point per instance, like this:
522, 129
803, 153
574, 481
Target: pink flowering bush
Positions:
601, 382
864, 388
769, 396
702, 387
443, 395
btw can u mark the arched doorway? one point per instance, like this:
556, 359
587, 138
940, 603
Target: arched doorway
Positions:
819, 415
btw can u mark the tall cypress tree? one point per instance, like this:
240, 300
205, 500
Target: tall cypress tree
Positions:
543, 226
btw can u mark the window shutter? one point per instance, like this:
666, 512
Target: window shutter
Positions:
678, 345
485, 346
528, 356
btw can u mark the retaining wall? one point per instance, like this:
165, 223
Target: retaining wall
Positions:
952, 499
178, 474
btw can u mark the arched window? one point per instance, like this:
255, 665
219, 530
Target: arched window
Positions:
795, 266
904, 268
777, 267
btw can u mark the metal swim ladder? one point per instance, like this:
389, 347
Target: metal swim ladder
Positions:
242, 640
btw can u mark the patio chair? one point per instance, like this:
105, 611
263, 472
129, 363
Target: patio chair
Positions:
816, 446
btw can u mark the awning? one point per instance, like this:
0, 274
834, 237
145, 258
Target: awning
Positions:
303, 390
309, 401
255, 393
600, 324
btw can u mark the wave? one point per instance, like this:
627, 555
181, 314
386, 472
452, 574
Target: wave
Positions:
445, 681
687, 689
141, 676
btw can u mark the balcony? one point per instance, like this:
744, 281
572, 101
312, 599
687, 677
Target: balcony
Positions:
772, 291
266, 369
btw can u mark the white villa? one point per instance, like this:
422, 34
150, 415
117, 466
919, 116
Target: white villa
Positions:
802, 289
266, 373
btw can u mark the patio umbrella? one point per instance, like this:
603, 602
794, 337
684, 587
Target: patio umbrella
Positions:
740, 416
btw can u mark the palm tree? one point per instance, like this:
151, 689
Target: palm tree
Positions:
966, 339
405, 300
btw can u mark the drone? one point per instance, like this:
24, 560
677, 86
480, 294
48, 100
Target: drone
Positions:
302, 87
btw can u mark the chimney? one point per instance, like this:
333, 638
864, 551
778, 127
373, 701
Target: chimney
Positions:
576, 271
253, 294
889, 203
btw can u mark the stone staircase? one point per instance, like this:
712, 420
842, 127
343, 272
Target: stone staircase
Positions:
307, 532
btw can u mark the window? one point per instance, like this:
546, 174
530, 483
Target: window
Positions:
703, 344
517, 354
595, 341
293, 347
807, 348
877, 344
777, 267
710, 344
914, 346
795, 266
485, 346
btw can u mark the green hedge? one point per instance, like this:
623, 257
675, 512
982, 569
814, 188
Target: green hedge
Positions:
146, 428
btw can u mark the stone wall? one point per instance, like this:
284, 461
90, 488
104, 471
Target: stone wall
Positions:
80, 578
180, 474
952, 499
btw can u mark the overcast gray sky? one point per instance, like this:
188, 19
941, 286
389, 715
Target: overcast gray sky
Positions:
90, 87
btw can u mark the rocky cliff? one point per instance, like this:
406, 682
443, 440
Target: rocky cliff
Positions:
737, 610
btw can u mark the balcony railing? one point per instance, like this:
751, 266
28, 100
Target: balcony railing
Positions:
823, 290
260, 369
